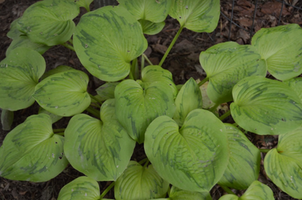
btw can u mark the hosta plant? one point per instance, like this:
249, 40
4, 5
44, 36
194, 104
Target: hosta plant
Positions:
189, 149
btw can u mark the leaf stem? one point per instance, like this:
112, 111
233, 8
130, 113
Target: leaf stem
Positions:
70, 41
143, 161
147, 59
227, 189
225, 115
146, 163
170, 46
213, 109
203, 81
58, 130
94, 98
68, 46
107, 190
93, 111
264, 150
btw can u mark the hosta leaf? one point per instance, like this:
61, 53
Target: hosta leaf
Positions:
296, 85
49, 22
32, 152
265, 106
193, 157
14, 32
151, 28
196, 15
188, 98
244, 161
283, 165
139, 183
84, 3
226, 64
80, 189
106, 40
154, 11
19, 73
258, 191
178, 194
64, 93
24, 41
281, 48
54, 117
229, 197
7, 118
99, 149
138, 103
106, 91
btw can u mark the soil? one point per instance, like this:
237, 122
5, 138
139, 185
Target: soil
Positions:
183, 62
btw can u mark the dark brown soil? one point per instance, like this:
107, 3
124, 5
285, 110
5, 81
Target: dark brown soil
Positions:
183, 62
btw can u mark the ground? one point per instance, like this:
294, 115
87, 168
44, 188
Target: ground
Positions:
183, 61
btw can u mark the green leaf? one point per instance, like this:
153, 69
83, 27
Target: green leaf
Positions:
106, 91
226, 64
84, 3
49, 22
138, 103
31, 152
19, 73
179, 194
64, 93
281, 48
154, 11
188, 98
229, 197
193, 157
79, 189
265, 106
258, 191
54, 117
296, 85
139, 183
7, 119
198, 16
14, 33
106, 40
99, 149
244, 161
151, 28
24, 41
283, 165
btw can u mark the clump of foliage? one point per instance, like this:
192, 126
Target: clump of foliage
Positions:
188, 147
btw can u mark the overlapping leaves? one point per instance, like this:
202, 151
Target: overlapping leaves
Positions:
99, 149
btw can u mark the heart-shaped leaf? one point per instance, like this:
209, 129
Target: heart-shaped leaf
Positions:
198, 16
193, 157
188, 98
14, 32
154, 11
32, 152
138, 103
64, 93
256, 190
106, 40
49, 22
244, 161
79, 189
296, 85
265, 106
280, 47
84, 3
24, 41
178, 194
99, 149
151, 28
106, 91
283, 165
19, 74
226, 64
138, 183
